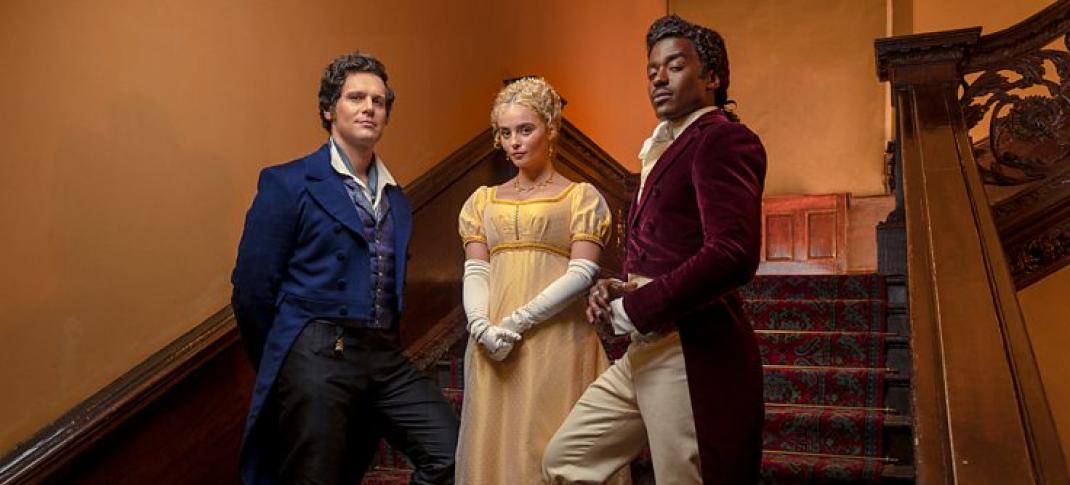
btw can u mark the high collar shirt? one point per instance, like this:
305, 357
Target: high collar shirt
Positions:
378, 176
664, 134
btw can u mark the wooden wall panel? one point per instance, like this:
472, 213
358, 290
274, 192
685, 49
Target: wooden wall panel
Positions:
804, 234
779, 241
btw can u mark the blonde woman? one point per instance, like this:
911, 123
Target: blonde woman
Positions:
532, 246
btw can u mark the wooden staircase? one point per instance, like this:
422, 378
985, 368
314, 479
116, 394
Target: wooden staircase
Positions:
177, 417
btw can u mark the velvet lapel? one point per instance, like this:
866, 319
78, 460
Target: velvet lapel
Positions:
327, 189
671, 155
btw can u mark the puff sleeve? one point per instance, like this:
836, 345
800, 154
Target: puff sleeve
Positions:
470, 221
591, 218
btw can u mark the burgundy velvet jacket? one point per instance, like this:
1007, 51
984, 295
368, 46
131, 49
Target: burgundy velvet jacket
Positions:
697, 232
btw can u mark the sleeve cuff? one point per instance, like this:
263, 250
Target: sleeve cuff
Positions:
622, 325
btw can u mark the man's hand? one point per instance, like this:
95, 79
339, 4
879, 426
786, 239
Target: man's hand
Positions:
603, 292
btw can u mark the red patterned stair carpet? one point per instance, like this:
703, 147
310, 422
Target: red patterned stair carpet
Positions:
822, 342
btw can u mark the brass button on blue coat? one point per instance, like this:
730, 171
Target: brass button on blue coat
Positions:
340, 256
341, 284
337, 227
343, 311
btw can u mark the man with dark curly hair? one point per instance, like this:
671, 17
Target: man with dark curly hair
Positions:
317, 296
690, 384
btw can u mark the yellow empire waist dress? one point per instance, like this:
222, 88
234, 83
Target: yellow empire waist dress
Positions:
512, 408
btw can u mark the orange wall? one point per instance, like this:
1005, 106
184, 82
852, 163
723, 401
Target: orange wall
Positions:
803, 74
1047, 317
596, 58
992, 15
132, 135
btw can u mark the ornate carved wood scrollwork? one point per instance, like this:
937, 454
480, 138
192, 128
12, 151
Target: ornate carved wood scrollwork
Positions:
1034, 226
1041, 254
1023, 90
1029, 135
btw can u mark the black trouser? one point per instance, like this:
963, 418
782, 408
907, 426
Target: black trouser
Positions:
334, 406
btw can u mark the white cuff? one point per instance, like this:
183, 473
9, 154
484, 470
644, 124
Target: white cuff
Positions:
622, 325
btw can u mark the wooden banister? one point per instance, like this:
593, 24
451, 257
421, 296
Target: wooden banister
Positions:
980, 410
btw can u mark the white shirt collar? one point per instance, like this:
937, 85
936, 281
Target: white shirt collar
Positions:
383, 176
669, 130
664, 134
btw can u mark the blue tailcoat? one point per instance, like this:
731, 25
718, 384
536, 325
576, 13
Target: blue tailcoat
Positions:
302, 256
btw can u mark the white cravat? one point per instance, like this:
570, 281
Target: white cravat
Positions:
652, 149
664, 134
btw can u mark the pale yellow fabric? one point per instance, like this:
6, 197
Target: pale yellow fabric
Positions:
643, 398
513, 407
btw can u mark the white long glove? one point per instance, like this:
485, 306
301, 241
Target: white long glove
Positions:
555, 297
497, 341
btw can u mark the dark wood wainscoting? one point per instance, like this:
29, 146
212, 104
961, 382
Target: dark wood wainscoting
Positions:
189, 435
174, 419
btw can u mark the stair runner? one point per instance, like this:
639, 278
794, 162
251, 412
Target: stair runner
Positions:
822, 341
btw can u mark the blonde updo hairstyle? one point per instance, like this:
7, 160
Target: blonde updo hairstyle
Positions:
531, 92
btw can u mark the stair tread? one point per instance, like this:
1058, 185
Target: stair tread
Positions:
898, 421
828, 386
853, 349
820, 410
897, 472
784, 287
804, 468
835, 431
875, 301
822, 315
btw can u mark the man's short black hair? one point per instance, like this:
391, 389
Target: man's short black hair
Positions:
708, 43
334, 77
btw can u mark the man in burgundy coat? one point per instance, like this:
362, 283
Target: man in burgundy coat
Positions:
690, 384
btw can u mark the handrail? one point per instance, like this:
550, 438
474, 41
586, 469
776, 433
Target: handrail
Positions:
981, 412
1017, 40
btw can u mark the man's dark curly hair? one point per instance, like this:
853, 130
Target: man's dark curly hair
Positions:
334, 77
709, 45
